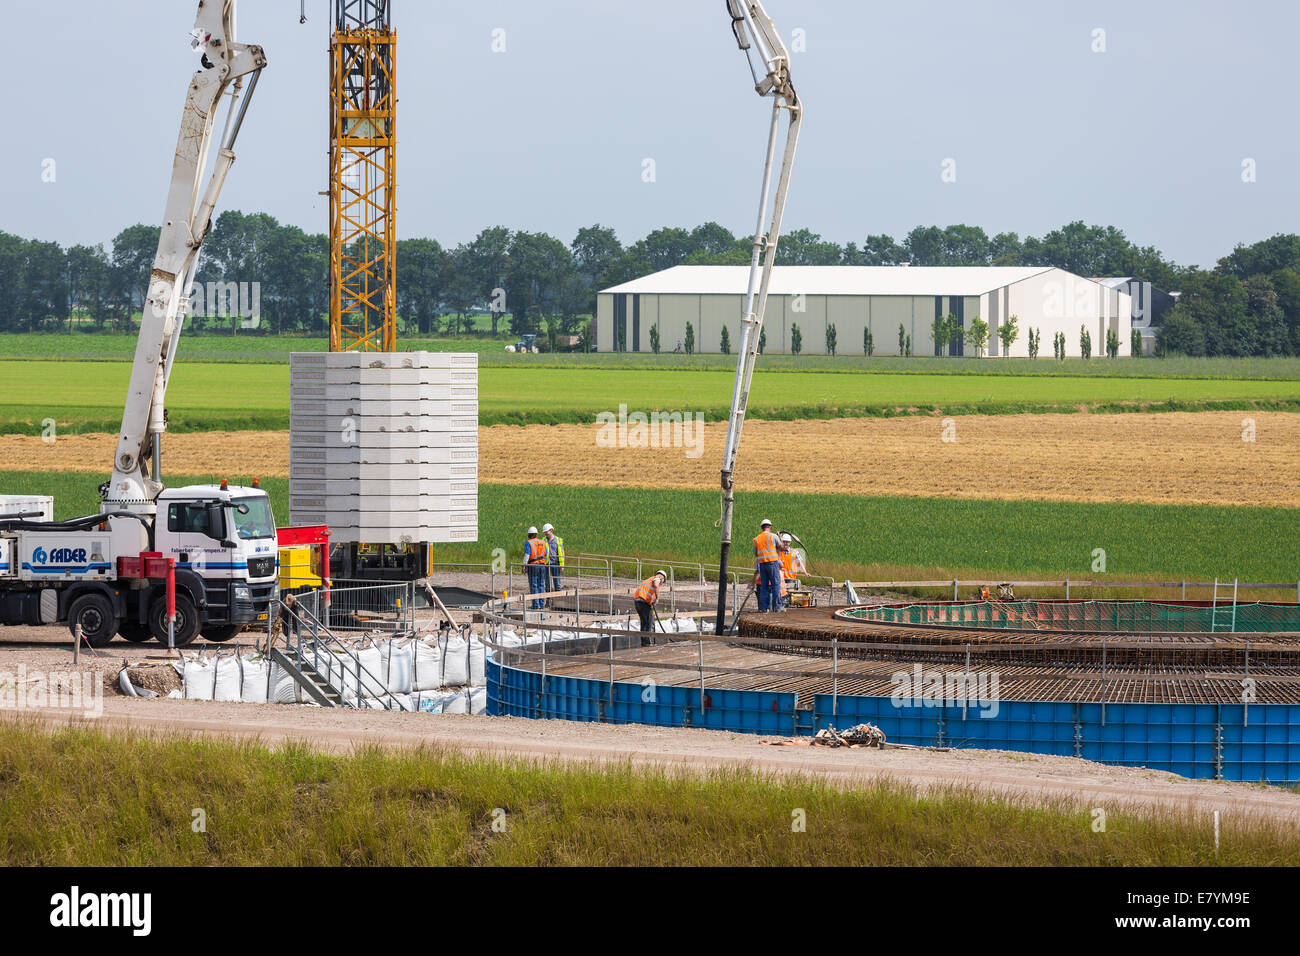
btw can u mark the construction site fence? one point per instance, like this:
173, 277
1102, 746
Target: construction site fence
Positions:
360, 608
1248, 742
1091, 616
1216, 588
689, 585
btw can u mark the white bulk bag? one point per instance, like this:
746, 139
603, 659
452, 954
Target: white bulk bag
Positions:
197, 679
426, 671
477, 698
254, 673
372, 670
455, 702
398, 662
455, 662
477, 662
427, 702
285, 689
226, 686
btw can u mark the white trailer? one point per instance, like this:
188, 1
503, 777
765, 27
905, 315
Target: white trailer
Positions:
89, 572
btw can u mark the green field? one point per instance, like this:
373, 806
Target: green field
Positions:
857, 537
87, 396
82, 797
207, 347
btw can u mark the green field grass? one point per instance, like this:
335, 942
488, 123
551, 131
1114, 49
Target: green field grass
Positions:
208, 347
82, 797
857, 537
87, 396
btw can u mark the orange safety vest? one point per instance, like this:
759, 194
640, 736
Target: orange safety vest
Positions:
787, 566
766, 547
536, 551
648, 591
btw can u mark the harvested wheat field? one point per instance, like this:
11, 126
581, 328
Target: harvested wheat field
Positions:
1187, 458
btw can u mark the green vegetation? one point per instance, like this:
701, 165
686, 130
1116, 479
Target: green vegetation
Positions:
1249, 304
82, 797
275, 349
863, 538
87, 396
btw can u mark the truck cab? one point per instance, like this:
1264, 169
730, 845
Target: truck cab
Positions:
223, 540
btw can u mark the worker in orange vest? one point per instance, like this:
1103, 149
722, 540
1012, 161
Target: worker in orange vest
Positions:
536, 559
647, 595
791, 568
767, 557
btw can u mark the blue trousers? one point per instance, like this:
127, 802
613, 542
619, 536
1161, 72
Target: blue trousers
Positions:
536, 584
769, 586
556, 571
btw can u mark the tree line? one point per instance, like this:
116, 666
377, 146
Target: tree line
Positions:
1248, 304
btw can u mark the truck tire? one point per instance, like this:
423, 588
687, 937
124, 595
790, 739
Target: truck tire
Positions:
219, 634
187, 620
94, 613
134, 632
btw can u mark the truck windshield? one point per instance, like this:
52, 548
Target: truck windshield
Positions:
258, 523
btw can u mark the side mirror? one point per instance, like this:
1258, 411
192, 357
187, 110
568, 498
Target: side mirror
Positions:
216, 521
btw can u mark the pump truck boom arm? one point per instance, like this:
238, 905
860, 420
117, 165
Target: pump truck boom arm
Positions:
187, 218
770, 64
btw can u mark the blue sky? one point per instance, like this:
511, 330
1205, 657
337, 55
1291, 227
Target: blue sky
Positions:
1149, 135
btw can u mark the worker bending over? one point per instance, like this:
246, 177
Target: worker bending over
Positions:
767, 555
554, 555
536, 561
647, 595
791, 568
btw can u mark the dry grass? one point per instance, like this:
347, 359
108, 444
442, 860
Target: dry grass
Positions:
1176, 458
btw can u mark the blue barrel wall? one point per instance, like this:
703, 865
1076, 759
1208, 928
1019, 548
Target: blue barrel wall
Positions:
518, 693
1202, 741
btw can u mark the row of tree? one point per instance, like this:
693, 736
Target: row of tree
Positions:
1249, 304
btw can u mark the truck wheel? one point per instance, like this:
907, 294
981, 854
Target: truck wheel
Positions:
135, 633
94, 613
187, 620
219, 635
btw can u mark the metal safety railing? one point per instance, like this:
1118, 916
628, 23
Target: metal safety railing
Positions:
314, 650
1074, 583
537, 651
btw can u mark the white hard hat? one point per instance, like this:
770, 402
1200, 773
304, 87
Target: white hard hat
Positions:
546, 528
532, 530
785, 537
663, 574
764, 523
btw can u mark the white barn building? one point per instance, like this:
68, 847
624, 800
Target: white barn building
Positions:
852, 298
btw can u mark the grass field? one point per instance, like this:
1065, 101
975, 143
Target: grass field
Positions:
863, 538
110, 346
81, 797
87, 396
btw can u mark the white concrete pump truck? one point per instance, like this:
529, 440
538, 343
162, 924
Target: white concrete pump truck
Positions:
101, 573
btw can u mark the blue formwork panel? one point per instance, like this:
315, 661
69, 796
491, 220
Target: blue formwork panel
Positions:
1261, 742
518, 693
1205, 741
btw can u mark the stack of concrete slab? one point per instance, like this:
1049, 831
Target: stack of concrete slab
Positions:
383, 446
